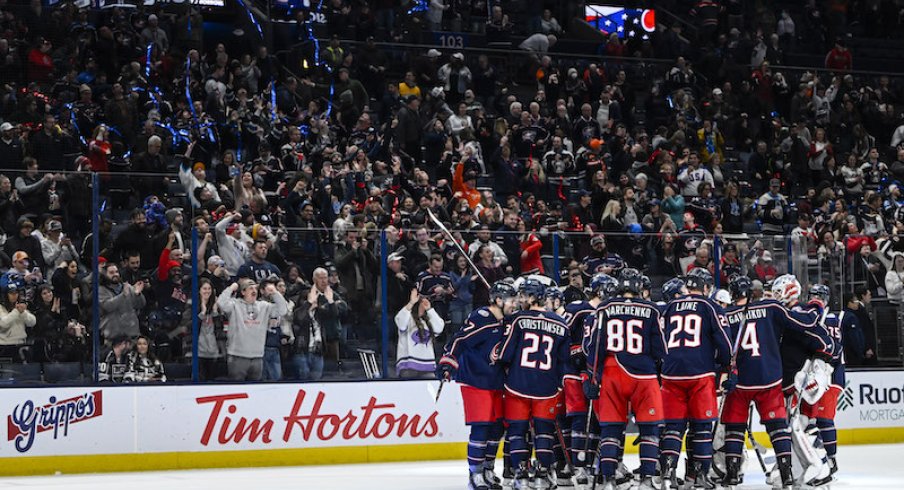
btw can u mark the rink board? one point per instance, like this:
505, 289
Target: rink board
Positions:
128, 428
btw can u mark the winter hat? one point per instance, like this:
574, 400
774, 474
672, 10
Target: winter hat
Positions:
171, 215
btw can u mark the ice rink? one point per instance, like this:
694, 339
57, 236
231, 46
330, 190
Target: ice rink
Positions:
862, 468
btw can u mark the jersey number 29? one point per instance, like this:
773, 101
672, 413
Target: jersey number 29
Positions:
692, 325
536, 341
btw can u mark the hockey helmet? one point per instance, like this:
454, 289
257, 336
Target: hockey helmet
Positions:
673, 288
698, 279
603, 285
820, 292
740, 287
786, 289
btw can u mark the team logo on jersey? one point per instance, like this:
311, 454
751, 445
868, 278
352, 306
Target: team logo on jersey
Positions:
771, 414
709, 413
28, 419
846, 400
483, 313
652, 411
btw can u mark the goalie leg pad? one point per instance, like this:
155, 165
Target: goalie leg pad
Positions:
808, 449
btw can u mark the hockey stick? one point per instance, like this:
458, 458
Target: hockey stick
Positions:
561, 438
434, 393
758, 448
596, 359
445, 231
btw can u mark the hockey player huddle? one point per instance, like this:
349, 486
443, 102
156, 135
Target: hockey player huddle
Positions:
558, 383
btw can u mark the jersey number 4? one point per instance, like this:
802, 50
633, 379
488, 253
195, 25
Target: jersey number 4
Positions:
536, 341
691, 325
749, 340
624, 336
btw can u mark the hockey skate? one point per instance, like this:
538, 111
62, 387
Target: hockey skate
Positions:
732, 476
542, 480
785, 479
508, 478
582, 478
521, 481
605, 483
624, 478
476, 481
492, 481
647, 483
563, 478
701, 479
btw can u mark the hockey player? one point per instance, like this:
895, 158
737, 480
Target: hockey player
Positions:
672, 289
759, 326
824, 410
622, 346
804, 379
602, 286
698, 347
555, 300
535, 354
467, 361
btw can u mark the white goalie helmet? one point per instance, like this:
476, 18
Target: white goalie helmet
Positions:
786, 289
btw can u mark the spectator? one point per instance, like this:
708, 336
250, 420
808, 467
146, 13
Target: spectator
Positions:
771, 208
418, 325
538, 44
436, 285
55, 247
114, 367
248, 321
357, 268
894, 279
257, 267
14, 320
120, 304
839, 59
210, 331
857, 350
143, 365
279, 333
317, 328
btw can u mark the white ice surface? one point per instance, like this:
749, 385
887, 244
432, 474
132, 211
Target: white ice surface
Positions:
861, 468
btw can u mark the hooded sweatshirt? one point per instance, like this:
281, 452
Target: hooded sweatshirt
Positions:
248, 323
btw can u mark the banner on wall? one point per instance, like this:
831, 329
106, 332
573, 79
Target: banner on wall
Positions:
122, 420
145, 419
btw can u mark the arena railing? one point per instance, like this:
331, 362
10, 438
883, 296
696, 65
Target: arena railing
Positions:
371, 356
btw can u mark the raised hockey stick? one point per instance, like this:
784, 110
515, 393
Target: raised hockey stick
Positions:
446, 232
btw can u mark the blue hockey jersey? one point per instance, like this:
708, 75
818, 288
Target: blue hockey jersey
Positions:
535, 351
832, 324
470, 350
697, 338
575, 314
797, 345
758, 329
629, 329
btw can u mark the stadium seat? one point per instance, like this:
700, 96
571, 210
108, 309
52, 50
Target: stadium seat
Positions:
176, 371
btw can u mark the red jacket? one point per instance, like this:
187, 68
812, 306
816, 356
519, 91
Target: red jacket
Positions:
530, 254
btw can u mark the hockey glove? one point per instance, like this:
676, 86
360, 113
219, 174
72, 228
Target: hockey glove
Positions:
444, 372
578, 359
731, 382
591, 389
